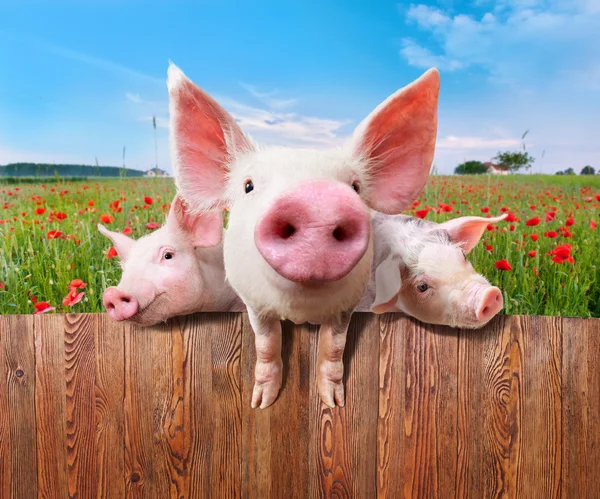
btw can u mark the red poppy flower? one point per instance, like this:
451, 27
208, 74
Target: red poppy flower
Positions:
2, 285
534, 237
511, 217
53, 234
106, 218
112, 252
558, 259
148, 200
446, 208
533, 222
535, 271
422, 213
60, 215
511, 227
127, 230
42, 307
490, 227
503, 265
485, 209
489, 248
550, 216
597, 197
562, 251
40, 211
570, 221
593, 225
91, 203
152, 226
77, 283
551, 234
73, 297
566, 233
532, 207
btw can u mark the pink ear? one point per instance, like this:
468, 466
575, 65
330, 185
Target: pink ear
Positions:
398, 141
205, 229
468, 230
204, 138
121, 242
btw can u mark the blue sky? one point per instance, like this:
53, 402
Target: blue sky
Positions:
81, 80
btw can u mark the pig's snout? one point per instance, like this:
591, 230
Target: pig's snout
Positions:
490, 304
120, 305
318, 232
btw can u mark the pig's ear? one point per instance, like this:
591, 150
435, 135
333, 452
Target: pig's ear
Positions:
388, 282
121, 242
468, 230
205, 229
204, 139
397, 141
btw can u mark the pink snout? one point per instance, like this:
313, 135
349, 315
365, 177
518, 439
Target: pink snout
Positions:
120, 305
318, 232
490, 304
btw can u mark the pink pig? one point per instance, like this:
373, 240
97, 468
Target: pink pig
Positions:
299, 243
175, 270
420, 268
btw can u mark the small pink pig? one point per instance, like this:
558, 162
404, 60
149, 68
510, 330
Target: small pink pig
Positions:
299, 242
175, 270
420, 268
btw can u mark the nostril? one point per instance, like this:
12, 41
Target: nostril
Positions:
287, 231
110, 306
339, 234
485, 311
125, 299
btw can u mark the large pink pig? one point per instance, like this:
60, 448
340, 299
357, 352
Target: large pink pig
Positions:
175, 270
420, 268
299, 242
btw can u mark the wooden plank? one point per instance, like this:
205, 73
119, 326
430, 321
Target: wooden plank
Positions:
139, 411
575, 408
390, 425
80, 374
593, 405
226, 338
109, 413
490, 402
50, 405
540, 473
5, 441
345, 439
197, 345
20, 378
280, 433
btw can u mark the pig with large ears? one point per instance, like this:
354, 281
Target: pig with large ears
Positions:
299, 244
175, 270
420, 268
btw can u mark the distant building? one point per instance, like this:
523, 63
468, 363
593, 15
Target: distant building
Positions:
493, 169
156, 172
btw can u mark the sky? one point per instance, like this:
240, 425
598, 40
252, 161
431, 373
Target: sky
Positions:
81, 80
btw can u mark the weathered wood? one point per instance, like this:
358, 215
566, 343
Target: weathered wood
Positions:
50, 405
19, 376
94, 408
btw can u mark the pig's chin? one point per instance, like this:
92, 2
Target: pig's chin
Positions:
152, 313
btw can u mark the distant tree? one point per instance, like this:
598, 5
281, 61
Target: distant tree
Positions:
560, 172
588, 170
569, 171
515, 160
470, 168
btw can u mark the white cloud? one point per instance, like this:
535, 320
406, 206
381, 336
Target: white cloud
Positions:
135, 98
452, 142
422, 57
269, 98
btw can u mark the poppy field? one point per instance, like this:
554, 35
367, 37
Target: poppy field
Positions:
543, 256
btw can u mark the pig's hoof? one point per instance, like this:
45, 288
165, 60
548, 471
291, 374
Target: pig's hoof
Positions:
267, 384
331, 392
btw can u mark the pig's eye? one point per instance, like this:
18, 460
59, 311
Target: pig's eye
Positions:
168, 255
249, 186
422, 287
356, 186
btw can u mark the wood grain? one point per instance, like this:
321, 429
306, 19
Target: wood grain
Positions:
50, 406
94, 408
109, 341
20, 379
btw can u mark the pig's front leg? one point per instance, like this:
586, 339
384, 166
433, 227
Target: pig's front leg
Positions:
330, 366
269, 366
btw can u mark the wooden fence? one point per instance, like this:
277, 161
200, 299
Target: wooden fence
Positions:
92, 408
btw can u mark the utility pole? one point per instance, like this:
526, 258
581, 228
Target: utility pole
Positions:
155, 145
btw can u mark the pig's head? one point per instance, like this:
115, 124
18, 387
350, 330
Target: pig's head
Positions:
299, 226
175, 270
427, 275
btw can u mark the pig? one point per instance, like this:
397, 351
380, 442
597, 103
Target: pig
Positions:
175, 270
299, 243
420, 268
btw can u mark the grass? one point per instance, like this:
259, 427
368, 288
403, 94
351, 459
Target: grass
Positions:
33, 266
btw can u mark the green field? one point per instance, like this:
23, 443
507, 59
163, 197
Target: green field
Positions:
32, 265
